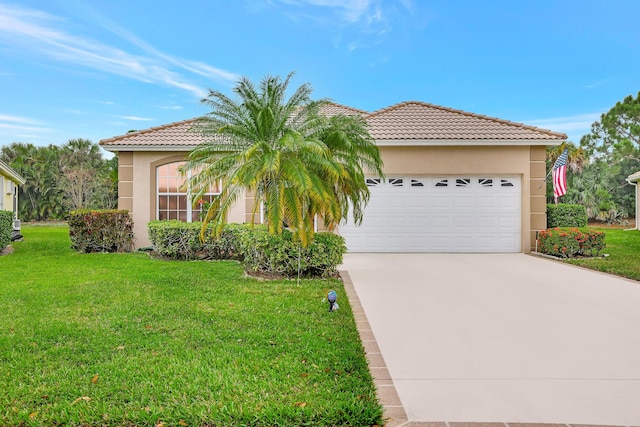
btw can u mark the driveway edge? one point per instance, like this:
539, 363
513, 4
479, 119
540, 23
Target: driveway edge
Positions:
394, 413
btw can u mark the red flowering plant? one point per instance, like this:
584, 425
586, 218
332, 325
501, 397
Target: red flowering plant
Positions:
571, 242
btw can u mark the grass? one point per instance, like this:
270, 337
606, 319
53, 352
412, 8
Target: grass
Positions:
623, 248
122, 339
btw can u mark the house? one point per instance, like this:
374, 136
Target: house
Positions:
9, 182
455, 181
634, 179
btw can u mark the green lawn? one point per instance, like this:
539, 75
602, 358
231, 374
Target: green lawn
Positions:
623, 248
122, 339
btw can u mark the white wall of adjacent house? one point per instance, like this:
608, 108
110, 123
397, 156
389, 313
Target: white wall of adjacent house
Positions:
480, 213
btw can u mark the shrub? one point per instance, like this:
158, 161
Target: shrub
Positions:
261, 252
281, 254
571, 242
6, 228
181, 240
101, 231
564, 215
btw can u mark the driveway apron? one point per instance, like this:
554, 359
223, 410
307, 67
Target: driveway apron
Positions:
503, 337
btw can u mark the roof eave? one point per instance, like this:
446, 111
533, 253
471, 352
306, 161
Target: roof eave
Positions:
466, 142
634, 177
8, 171
117, 148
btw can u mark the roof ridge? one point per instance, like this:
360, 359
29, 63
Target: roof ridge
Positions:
151, 129
466, 113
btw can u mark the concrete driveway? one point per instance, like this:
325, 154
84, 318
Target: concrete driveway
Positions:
499, 338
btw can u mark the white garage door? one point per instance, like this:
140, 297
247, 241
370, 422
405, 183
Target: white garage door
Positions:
439, 214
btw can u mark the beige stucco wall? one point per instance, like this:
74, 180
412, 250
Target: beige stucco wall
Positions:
137, 189
524, 161
137, 179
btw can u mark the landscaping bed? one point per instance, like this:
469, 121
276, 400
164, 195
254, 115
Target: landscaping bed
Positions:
124, 339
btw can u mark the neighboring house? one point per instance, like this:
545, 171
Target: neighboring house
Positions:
634, 179
455, 181
9, 182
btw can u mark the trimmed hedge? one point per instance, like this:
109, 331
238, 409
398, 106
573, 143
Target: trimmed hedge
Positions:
280, 254
260, 251
101, 231
181, 240
6, 228
571, 242
564, 215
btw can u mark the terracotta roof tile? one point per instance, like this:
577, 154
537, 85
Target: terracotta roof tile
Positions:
406, 121
332, 109
414, 120
169, 135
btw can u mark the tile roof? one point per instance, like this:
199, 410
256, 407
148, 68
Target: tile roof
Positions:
414, 120
331, 109
171, 135
406, 121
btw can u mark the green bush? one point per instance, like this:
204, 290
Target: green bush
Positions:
261, 252
564, 215
101, 231
181, 240
281, 254
6, 228
571, 242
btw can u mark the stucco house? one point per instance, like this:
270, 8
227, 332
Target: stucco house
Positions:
9, 182
455, 181
634, 178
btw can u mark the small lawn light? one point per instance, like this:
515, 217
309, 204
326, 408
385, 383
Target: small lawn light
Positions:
332, 297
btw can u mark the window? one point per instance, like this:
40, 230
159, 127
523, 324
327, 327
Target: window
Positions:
463, 182
485, 182
372, 182
174, 202
442, 183
416, 183
395, 182
506, 183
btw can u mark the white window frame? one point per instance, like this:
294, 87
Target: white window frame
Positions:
187, 194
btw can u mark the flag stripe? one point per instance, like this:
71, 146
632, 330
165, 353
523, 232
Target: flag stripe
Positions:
560, 175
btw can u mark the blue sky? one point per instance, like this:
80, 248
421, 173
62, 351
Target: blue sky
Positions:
96, 69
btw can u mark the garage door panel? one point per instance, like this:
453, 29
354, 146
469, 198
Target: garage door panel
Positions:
439, 223
484, 223
440, 214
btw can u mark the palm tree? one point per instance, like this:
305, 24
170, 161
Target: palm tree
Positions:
298, 163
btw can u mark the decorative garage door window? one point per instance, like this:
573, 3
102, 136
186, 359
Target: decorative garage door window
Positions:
174, 202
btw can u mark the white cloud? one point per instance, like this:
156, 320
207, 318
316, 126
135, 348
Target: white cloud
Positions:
17, 119
137, 119
574, 126
567, 124
36, 32
350, 10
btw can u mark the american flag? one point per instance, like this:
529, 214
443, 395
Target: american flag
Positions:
559, 173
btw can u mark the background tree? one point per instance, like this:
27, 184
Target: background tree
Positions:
298, 163
39, 197
613, 146
50, 171
84, 175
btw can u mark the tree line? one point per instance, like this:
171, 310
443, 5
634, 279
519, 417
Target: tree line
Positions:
599, 165
60, 179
